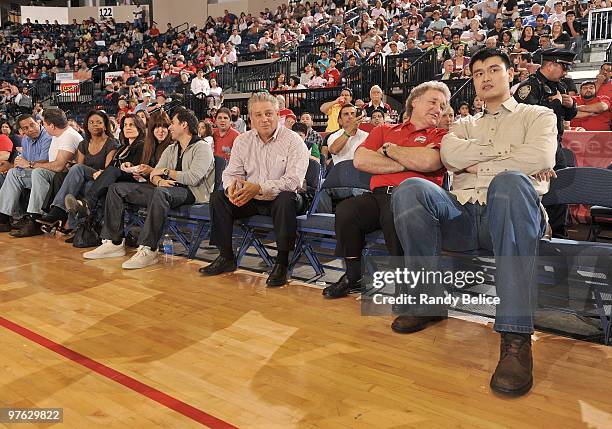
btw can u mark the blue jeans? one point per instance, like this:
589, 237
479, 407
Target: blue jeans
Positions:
429, 219
74, 183
38, 180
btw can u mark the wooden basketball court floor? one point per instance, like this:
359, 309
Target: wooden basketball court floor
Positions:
164, 347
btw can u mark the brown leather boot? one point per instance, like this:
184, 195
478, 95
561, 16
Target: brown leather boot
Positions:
513, 373
408, 324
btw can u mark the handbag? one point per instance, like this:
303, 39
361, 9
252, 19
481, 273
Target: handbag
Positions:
87, 233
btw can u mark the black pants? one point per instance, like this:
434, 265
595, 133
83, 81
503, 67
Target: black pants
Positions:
157, 200
100, 186
283, 210
361, 215
558, 213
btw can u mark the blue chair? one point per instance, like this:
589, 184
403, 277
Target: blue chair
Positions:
582, 263
256, 223
341, 175
601, 219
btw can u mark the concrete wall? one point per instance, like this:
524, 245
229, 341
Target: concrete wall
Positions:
178, 11
197, 11
65, 15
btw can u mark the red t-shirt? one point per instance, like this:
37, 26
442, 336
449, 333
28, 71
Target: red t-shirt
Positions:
6, 145
600, 122
405, 135
606, 89
153, 32
223, 145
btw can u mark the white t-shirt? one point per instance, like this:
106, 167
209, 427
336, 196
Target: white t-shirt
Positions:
68, 141
348, 151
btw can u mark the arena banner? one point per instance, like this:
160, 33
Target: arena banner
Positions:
61, 76
592, 149
108, 76
69, 90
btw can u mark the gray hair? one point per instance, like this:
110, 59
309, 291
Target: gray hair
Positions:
421, 89
262, 97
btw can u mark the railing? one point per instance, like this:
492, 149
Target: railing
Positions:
41, 89
253, 56
265, 76
609, 53
423, 69
600, 25
225, 75
461, 90
311, 53
401, 70
362, 78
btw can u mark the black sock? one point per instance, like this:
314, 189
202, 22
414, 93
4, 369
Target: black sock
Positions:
227, 253
282, 257
4, 219
117, 242
353, 269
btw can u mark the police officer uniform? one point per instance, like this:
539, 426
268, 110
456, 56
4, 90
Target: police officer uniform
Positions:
537, 89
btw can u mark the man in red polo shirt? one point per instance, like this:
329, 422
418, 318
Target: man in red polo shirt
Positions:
224, 135
392, 154
593, 110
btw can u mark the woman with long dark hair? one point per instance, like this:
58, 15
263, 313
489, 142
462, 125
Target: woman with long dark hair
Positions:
95, 152
126, 166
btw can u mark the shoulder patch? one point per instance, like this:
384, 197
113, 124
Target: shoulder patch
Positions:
523, 91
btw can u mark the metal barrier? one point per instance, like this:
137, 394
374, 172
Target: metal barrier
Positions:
310, 100
423, 69
75, 99
311, 53
41, 89
264, 76
225, 75
600, 25
399, 70
609, 53
461, 90
361, 78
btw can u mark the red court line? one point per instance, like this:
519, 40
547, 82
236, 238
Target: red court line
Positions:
129, 382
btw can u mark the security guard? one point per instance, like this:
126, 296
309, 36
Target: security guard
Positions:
545, 87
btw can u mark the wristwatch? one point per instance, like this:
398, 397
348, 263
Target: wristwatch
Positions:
166, 172
31, 164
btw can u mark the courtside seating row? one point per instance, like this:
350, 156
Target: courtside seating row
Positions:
563, 264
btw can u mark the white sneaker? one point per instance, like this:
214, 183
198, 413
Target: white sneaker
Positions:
143, 257
106, 250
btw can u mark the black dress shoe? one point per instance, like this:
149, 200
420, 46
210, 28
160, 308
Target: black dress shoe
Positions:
410, 324
55, 218
219, 266
18, 224
5, 227
28, 230
341, 288
278, 276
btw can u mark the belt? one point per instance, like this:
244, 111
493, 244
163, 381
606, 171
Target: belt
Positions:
383, 190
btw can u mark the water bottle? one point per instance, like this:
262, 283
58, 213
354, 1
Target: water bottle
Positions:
168, 248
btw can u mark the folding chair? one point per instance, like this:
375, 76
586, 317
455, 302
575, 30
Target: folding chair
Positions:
259, 222
601, 219
588, 264
341, 175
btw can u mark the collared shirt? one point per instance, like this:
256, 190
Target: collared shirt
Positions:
313, 138
518, 137
277, 165
36, 150
406, 135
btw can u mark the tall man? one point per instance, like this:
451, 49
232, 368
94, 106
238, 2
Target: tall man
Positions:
185, 174
35, 169
266, 169
545, 89
501, 163
392, 154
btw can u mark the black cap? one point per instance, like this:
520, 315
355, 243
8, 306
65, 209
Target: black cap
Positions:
557, 55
